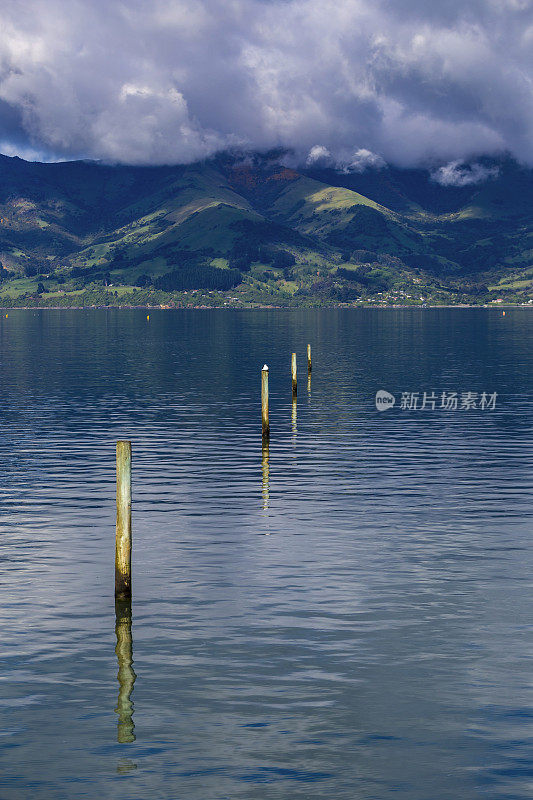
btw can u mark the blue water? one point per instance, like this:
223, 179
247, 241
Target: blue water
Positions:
347, 616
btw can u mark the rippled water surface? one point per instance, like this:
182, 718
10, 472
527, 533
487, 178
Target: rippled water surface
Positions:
347, 616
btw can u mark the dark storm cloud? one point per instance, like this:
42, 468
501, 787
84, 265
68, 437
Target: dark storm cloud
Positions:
177, 80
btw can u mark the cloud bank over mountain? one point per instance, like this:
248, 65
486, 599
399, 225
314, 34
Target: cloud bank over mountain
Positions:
177, 80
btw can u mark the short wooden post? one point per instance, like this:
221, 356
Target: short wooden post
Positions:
294, 381
123, 533
309, 365
264, 403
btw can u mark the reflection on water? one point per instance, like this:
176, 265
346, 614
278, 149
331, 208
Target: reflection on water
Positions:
309, 384
126, 676
294, 419
266, 474
126, 765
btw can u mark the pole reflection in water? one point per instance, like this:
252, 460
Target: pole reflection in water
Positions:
309, 385
125, 765
294, 419
266, 475
126, 676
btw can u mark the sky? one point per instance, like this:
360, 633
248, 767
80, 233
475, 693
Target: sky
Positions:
358, 83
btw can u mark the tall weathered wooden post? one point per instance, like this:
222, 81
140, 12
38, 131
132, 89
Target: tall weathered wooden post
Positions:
123, 530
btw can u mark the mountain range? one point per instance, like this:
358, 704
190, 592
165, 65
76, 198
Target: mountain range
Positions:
249, 229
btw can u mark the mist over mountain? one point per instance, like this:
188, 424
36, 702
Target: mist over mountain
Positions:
286, 151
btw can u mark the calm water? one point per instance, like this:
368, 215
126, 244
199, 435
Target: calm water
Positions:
349, 618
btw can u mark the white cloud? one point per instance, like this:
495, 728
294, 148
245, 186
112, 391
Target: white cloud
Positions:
364, 159
359, 161
177, 80
457, 173
319, 154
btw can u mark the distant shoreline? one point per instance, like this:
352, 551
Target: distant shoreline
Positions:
262, 307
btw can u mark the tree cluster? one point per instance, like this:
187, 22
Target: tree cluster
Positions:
194, 277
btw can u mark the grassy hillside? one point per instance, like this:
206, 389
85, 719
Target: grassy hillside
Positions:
245, 231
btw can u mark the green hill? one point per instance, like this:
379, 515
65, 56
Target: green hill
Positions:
253, 230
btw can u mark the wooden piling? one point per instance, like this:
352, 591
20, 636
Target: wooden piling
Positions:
294, 380
123, 531
309, 364
264, 403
